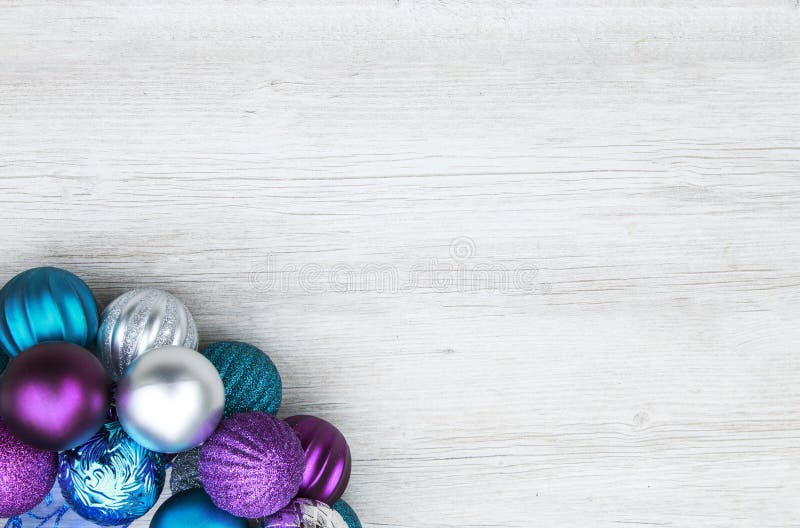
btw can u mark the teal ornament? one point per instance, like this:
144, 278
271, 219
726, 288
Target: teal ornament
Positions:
193, 509
251, 380
347, 514
111, 480
46, 304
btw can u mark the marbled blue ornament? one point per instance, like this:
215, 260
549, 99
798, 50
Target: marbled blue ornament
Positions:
193, 509
347, 513
111, 480
46, 304
251, 380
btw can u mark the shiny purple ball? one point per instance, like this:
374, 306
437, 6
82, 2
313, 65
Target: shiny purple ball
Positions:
328, 459
26, 474
252, 465
54, 395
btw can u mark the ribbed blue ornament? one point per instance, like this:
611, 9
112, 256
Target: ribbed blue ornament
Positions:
251, 380
46, 304
194, 509
347, 514
111, 480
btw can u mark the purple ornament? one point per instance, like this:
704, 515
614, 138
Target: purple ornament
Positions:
54, 395
252, 465
26, 474
328, 459
304, 513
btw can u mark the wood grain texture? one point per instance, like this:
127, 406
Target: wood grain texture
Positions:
538, 260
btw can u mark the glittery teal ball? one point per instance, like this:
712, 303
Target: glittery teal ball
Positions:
347, 514
251, 380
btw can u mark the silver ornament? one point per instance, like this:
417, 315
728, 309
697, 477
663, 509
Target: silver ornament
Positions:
185, 471
141, 320
304, 513
170, 399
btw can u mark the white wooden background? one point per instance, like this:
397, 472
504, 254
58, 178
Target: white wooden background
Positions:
627, 171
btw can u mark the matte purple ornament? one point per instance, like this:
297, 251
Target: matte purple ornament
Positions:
54, 395
328, 459
26, 474
252, 465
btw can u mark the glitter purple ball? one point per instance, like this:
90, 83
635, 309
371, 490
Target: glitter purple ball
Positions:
252, 465
26, 474
328, 461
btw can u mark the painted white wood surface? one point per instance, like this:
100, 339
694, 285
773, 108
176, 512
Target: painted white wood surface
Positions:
583, 218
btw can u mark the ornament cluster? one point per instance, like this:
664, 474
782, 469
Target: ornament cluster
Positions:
100, 405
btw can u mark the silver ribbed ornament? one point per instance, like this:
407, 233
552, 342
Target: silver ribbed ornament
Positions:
304, 513
141, 320
185, 471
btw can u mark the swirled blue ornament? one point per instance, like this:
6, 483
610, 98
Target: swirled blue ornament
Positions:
251, 380
193, 509
347, 513
46, 304
111, 480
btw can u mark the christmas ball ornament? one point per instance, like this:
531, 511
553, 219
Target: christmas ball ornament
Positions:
347, 513
26, 474
46, 304
54, 395
251, 380
185, 471
328, 460
304, 513
139, 321
194, 509
252, 465
111, 479
170, 399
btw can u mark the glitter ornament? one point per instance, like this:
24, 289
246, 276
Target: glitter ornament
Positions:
251, 380
304, 513
193, 508
328, 460
347, 513
54, 395
252, 465
139, 321
111, 480
170, 399
26, 474
185, 471
46, 304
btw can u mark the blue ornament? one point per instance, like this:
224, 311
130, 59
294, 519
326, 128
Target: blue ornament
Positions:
46, 304
347, 514
251, 380
193, 509
111, 479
